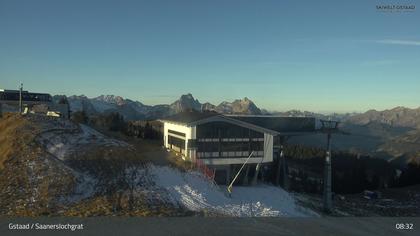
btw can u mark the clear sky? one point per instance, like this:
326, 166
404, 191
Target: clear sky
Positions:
310, 55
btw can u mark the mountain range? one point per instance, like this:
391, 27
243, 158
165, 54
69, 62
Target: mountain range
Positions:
135, 110
396, 117
392, 134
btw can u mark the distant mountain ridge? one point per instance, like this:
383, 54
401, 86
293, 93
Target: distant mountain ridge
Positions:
393, 134
398, 116
135, 110
239, 106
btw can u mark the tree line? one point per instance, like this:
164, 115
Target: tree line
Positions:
351, 173
113, 121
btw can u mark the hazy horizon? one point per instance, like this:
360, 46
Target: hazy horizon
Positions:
281, 54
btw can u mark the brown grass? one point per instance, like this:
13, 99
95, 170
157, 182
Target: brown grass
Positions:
52, 180
13, 135
103, 206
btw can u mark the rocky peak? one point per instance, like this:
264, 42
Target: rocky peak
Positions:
186, 102
112, 99
208, 107
245, 106
187, 96
239, 106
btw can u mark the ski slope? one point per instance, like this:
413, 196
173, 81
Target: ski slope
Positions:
192, 191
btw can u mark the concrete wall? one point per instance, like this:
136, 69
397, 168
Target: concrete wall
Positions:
190, 133
268, 147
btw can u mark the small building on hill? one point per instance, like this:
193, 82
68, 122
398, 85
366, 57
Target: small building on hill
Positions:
224, 142
38, 103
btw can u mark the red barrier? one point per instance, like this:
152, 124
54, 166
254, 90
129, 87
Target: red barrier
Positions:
206, 171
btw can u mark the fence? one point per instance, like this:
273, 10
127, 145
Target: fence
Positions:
206, 171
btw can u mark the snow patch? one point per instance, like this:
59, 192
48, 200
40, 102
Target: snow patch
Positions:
63, 142
196, 193
85, 188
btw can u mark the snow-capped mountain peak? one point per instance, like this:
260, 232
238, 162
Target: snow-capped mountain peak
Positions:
112, 99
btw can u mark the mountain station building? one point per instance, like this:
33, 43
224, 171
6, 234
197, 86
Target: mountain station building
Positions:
41, 103
224, 142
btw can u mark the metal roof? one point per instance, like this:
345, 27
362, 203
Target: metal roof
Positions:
274, 125
280, 124
187, 117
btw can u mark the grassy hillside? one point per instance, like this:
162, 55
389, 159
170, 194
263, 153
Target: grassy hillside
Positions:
31, 181
54, 166
14, 135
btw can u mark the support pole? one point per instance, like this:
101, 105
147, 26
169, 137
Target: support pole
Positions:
245, 179
327, 195
20, 99
278, 171
229, 188
228, 174
285, 170
255, 178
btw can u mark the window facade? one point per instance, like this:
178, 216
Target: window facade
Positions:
176, 133
225, 140
225, 130
176, 142
35, 97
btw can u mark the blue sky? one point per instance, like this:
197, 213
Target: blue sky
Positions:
320, 56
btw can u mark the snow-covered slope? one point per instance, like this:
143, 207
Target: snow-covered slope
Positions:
63, 142
192, 191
